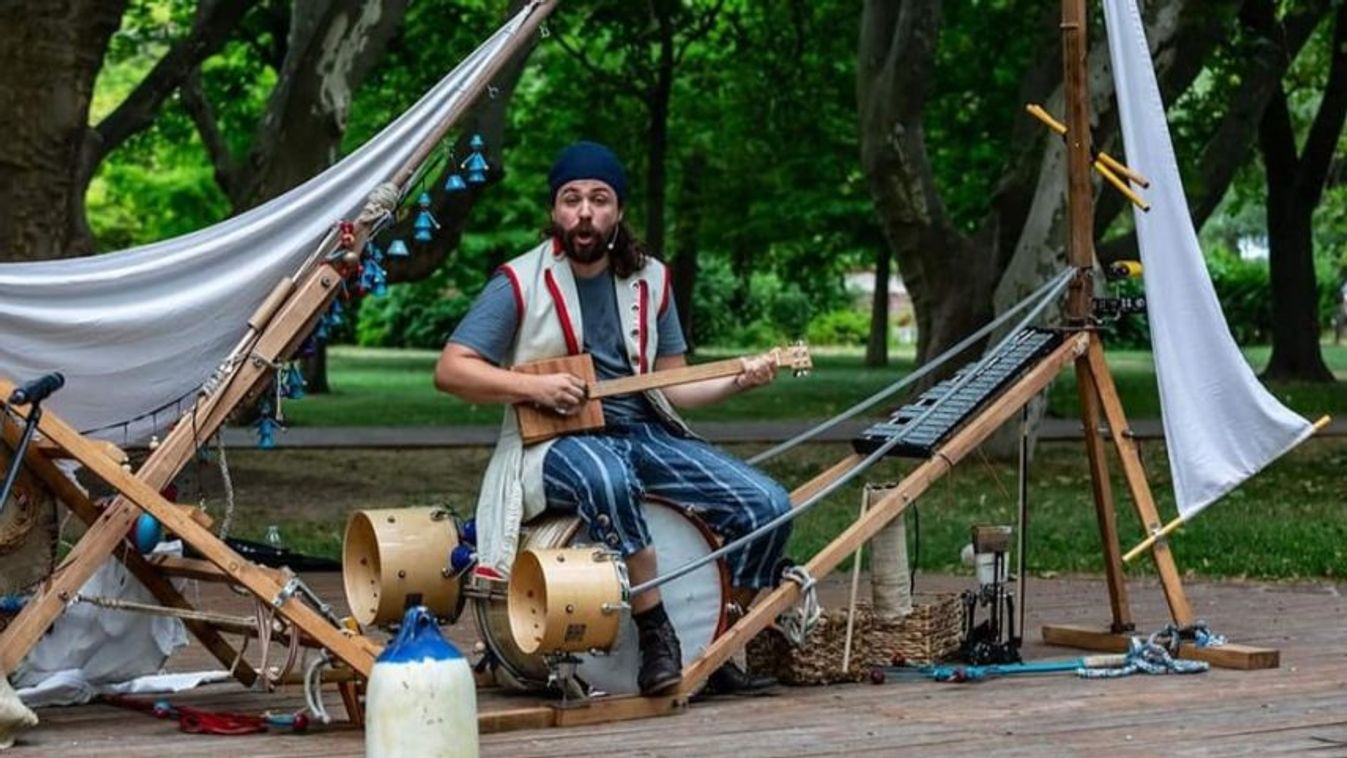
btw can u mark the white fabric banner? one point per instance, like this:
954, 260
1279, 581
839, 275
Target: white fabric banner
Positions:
1221, 425
138, 329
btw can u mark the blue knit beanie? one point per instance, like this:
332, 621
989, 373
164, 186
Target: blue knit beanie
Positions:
588, 160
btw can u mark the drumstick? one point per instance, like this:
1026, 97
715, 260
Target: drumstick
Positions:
851, 607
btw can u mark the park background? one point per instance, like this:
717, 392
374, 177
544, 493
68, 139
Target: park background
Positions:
762, 140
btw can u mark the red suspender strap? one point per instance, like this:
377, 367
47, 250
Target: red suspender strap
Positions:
518, 292
563, 314
664, 296
642, 322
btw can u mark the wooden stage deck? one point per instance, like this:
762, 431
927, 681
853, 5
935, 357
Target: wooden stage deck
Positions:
1301, 706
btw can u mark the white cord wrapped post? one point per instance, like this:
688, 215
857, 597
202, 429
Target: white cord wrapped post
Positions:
890, 574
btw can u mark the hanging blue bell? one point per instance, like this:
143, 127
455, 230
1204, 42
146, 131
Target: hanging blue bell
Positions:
372, 252
476, 164
335, 314
455, 183
373, 278
266, 427
398, 249
423, 229
266, 433
292, 382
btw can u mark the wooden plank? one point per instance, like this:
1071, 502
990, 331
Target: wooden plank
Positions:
1229, 655
107, 532
1105, 513
889, 507
514, 719
608, 709
1142, 500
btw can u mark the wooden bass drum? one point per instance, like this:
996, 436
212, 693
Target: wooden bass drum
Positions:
696, 603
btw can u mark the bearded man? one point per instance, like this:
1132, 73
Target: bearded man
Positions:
592, 287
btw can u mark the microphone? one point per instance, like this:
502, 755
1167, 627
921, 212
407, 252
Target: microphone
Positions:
612, 240
37, 390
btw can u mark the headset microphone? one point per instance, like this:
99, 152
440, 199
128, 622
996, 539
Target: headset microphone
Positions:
612, 240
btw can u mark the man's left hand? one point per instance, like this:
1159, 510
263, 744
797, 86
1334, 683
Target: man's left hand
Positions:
758, 370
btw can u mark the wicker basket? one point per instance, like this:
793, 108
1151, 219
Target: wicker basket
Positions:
930, 634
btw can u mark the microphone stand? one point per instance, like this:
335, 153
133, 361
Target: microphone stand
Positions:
15, 463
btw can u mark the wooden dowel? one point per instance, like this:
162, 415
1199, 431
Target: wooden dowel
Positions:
855, 587
1104, 163
1151, 540
1118, 166
1176, 523
1120, 185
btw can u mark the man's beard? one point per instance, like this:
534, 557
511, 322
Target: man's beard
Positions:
589, 252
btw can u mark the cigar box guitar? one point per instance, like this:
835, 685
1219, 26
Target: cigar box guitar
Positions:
538, 424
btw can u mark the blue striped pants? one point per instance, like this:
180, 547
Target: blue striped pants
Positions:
605, 476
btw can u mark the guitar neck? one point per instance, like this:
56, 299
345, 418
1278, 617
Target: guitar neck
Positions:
668, 378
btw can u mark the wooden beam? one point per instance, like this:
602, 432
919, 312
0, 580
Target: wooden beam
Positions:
1135, 474
104, 536
1079, 189
158, 585
1229, 655
832, 474
1104, 511
887, 508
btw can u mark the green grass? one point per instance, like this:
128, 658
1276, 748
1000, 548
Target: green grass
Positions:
380, 387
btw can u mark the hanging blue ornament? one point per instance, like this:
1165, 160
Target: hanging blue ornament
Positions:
373, 253
398, 249
423, 229
292, 382
266, 433
476, 164
455, 183
331, 320
266, 427
373, 278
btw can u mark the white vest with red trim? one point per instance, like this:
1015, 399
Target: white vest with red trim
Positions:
550, 325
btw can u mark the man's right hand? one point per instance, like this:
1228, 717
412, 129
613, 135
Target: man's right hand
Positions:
562, 393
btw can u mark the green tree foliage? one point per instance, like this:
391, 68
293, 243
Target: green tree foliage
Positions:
762, 111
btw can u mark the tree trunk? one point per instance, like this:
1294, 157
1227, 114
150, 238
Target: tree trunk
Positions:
330, 48
1295, 185
50, 55
657, 143
686, 241
877, 347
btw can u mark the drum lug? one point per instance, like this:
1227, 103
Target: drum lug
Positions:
611, 608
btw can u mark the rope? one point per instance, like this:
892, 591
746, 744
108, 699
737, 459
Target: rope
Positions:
1147, 657
228, 486
799, 621
1048, 294
906, 381
382, 202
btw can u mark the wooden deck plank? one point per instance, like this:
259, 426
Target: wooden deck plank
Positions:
1220, 712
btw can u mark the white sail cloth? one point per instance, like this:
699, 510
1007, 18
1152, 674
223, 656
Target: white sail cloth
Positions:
1221, 425
137, 329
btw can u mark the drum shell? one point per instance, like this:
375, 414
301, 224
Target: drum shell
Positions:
564, 600
395, 557
520, 670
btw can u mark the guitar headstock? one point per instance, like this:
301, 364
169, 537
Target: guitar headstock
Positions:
796, 358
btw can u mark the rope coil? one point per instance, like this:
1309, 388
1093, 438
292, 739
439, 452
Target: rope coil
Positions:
799, 621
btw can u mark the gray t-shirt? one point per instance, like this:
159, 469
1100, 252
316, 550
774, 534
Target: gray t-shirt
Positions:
491, 323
